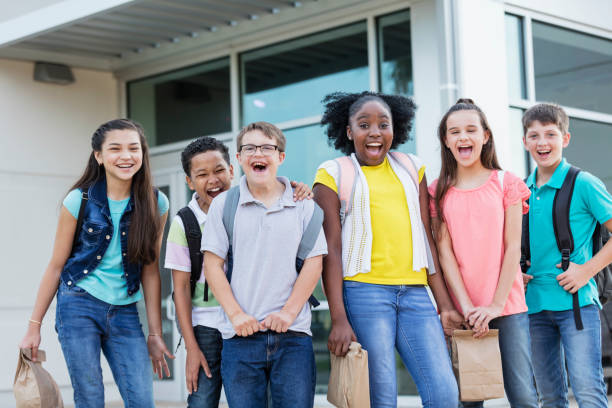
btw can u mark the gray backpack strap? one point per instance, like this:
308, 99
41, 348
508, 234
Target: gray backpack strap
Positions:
229, 211
311, 233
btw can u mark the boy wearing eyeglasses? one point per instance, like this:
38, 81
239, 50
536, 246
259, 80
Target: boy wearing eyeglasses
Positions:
266, 331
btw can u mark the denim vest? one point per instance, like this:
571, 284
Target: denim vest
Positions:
95, 236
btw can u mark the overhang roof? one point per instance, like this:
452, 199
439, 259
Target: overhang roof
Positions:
113, 34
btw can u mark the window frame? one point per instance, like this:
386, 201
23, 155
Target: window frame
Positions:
527, 17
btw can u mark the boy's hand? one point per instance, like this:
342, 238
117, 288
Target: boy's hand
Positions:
195, 360
301, 191
340, 338
526, 279
278, 321
244, 324
574, 278
451, 320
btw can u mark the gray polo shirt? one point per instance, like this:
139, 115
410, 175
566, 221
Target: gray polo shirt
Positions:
265, 246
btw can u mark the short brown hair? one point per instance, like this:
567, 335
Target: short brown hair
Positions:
267, 129
546, 114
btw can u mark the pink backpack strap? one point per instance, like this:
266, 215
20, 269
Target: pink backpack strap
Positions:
407, 164
347, 174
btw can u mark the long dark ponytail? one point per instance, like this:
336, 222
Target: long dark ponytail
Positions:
448, 171
145, 223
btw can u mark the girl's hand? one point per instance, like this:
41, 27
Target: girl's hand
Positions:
574, 278
244, 324
278, 322
195, 360
340, 338
301, 191
479, 318
451, 320
31, 340
157, 352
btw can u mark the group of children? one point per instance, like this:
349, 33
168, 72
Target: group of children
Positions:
376, 232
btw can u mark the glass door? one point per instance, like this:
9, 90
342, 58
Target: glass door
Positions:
172, 183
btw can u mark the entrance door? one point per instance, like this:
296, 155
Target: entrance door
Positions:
172, 183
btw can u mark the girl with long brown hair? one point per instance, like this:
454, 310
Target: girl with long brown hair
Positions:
107, 243
477, 211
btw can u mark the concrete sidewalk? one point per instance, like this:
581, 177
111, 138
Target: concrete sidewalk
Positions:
501, 403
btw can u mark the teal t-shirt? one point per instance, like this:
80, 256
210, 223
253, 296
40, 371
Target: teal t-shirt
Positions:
106, 282
591, 203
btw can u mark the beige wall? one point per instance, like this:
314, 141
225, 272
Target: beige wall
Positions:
45, 131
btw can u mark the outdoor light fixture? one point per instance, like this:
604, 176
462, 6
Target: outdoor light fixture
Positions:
53, 73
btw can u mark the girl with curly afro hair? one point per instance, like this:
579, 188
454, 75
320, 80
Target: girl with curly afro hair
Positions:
380, 249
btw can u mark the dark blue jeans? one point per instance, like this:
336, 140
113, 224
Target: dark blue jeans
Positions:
87, 326
554, 342
209, 389
284, 361
514, 345
389, 317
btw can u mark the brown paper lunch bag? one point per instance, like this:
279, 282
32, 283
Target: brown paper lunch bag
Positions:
34, 387
349, 384
477, 365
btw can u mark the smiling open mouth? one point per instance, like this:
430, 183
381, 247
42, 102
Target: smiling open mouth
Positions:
374, 147
213, 192
543, 154
259, 167
465, 151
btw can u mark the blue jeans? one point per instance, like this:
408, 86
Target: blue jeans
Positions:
517, 368
553, 335
209, 389
86, 326
284, 361
385, 317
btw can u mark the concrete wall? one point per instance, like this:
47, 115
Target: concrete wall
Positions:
45, 133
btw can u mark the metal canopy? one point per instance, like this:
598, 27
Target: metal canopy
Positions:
106, 38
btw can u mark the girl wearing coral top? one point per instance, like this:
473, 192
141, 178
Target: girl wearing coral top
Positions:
477, 210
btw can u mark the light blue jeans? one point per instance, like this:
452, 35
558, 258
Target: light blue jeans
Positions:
553, 335
87, 326
516, 361
386, 317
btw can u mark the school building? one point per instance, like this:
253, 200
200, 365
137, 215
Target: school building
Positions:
185, 68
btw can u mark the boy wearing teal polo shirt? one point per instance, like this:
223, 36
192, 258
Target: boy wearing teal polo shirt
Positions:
549, 289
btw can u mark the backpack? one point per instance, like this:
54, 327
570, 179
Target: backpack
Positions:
193, 234
565, 242
309, 238
348, 180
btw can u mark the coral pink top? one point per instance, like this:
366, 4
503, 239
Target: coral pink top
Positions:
475, 221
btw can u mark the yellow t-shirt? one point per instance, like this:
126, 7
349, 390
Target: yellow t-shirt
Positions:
391, 228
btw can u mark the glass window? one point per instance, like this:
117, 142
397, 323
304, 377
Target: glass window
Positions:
306, 149
288, 80
518, 161
571, 68
183, 104
590, 148
395, 56
515, 57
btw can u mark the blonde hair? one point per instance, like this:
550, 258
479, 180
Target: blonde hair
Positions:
267, 129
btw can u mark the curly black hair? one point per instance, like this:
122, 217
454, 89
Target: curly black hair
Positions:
200, 145
340, 106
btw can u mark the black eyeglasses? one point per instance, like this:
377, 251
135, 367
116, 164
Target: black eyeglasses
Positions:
250, 149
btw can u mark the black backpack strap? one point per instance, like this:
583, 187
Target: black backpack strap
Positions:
525, 245
308, 241
563, 233
193, 234
229, 214
79, 225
